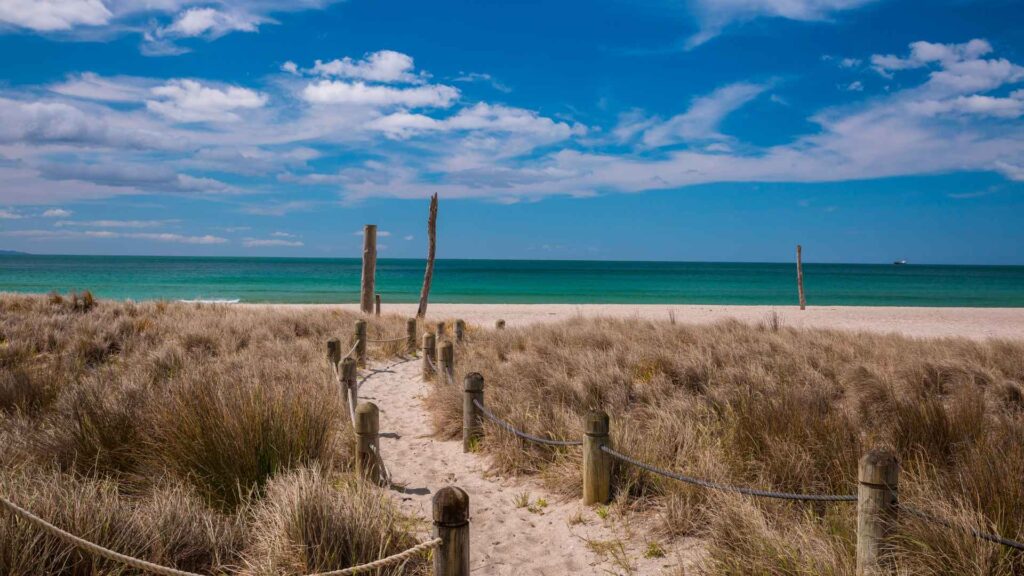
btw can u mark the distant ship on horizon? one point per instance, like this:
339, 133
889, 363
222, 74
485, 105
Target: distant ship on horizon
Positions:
900, 262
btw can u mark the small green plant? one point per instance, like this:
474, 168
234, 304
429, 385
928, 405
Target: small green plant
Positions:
614, 550
602, 512
577, 518
538, 505
474, 444
654, 550
521, 500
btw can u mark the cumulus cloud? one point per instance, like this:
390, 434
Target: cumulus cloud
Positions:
385, 66
210, 22
714, 16
57, 213
191, 101
9, 215
110, 234
362, 94
271, 242
53, 15
114, 223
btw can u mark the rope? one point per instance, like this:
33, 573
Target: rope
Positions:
386, 340
520, 433
383, 467
727, 487
430, 362
166, 571
976, 533
354, 346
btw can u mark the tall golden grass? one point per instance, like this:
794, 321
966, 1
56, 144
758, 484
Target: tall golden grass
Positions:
771, 407
208, 438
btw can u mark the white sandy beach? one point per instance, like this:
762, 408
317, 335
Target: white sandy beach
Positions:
978, 323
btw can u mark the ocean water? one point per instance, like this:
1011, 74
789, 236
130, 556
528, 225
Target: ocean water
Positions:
296, 280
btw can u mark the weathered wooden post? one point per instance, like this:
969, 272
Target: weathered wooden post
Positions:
440, 331
369, 268
334, 352
597, 466
367, 427
429, 355
349, 391
376, 305
472, 418
410, 336
451, 525
800, 276
446, 360
877, 503
360, 341
499, 325
460, 330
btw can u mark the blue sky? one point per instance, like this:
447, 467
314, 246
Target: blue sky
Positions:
867, 130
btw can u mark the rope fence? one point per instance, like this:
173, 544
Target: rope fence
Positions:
525, 436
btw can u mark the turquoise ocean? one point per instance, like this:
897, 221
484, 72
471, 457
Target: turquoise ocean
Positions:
298, 280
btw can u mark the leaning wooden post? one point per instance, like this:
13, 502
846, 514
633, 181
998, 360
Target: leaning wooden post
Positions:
410, 336
360, 341
446, 360
369, 268
460, 330
349, 392
597, 466
367, 428
499, 324
877, 504
429, 355
334, 352
472, 418
451, 525
800, 276
376, 305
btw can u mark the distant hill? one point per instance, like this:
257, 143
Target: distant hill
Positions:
12, 253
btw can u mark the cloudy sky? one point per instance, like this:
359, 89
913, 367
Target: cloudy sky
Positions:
868, 130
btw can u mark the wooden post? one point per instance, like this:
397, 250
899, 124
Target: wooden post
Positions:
367, 428
877, 501
349, 392
429, 355
428, 274
410, 336
334, 352
446, 360
360, 341
376, 305
597, 466
369, 268
472, 418
440, 331
451, 525
499, 325
460, 330
800, 276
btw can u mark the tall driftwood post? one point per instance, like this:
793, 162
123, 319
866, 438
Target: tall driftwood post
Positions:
369, 268
472, 419
451, 525
367, 427
877, 500
597, 466
431, 251
334, 352
460, 330
800, 276
410, 336
359, 339
376, 305
349, 391
429, 355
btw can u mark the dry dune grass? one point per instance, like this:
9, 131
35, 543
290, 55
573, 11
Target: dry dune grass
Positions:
770, 407
207, 438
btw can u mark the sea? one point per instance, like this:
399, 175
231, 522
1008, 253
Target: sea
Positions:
309, 280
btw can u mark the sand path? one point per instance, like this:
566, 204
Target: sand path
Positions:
506, 539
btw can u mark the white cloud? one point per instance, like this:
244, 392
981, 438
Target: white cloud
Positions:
855, 86
290, 68
361, 94
91, 86
385, 66
714, 16
191, 101
115, 223
57, 213
109, 234
53, 15
702, 119
409, 237
210, 22
283, 235
9, 215
278, 242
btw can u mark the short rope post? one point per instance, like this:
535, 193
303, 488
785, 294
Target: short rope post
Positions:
499, 324
446, 359
472, 418
349, 392
451, 525
597, 466
360, 341
334, 352
460, 330
440, 331
429, 355
410, 336
877, 501
367, 429
376, 304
